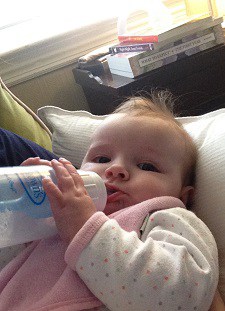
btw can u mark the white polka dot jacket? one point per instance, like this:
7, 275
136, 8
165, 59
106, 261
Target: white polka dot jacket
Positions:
152, 256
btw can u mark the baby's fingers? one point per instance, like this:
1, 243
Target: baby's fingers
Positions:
72, 171
36, 161
66, 175
31, 161
53, 193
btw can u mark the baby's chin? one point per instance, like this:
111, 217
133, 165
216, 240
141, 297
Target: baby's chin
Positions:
111, 208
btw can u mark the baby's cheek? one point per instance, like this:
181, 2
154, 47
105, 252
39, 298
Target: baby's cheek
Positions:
87, 166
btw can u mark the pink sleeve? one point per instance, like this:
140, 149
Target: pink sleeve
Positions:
83, 237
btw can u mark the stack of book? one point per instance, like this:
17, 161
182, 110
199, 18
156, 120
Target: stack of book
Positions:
135, 55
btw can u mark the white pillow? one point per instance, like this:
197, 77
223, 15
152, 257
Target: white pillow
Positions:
71, 131
71, 138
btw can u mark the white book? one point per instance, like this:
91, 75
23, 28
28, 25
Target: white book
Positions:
177, 49
147, 61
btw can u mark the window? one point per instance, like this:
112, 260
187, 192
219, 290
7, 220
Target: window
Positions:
40, 36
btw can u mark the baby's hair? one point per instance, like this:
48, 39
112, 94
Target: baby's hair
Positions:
160, 104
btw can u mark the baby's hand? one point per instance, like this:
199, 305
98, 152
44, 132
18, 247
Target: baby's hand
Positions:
36, 161
70, 203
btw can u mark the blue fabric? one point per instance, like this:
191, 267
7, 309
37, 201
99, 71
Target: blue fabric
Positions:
14, 149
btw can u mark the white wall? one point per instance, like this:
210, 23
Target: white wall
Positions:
57, 88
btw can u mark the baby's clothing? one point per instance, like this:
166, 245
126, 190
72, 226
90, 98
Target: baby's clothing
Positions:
10, 252
172, 266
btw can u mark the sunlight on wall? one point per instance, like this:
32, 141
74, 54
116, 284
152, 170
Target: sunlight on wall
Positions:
40, 20
78, 14
62, 11
219, 7
157, 14
215, 7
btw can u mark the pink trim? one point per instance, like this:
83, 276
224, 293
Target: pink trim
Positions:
83, 237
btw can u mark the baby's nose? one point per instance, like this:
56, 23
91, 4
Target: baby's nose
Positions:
117, 171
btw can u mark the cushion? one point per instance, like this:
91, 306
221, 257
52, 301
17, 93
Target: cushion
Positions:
18, 118
71, 138
71, 131
208, 132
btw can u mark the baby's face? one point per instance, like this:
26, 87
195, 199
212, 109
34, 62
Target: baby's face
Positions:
138, 158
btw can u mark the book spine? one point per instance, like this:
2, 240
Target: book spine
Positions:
131, 48
172, 33
138, 39
194, 44
181, 48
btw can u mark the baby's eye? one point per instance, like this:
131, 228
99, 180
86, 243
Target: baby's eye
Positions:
148, 167
102, 159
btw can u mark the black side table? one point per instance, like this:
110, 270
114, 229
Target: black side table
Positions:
198, 81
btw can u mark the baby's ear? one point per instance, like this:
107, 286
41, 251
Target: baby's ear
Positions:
187, 196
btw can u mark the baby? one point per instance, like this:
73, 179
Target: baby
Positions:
146, 251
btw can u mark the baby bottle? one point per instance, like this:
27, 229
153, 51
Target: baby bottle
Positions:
25, 213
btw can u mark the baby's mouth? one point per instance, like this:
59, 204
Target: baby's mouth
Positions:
113, 193
110, 191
